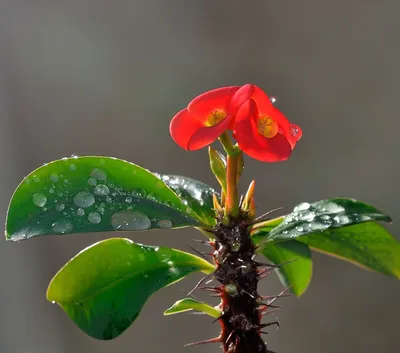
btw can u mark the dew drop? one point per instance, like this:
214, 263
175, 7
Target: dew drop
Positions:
66, 181
295, 131
80, 212
128, 199
72, 167
101, 190
92, 181
51, 191
39, 199
54, 177
236, 246
308, 216
304, 206
36, 178
128, 220
62, 227
99, 174
94, 217
164, 223
108, 199
60, 207
272, 99
84, 199
299, 228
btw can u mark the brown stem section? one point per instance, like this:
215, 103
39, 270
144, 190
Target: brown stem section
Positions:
238, 274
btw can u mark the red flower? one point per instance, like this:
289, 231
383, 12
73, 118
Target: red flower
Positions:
206, 117
261, 130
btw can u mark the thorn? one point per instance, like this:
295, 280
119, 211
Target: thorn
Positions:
275, 297
260, 218
201, 254
270, 351
280, 295
263, 264
269, 306
205, 242
249, 294
264, 332
229, 337
252, 209
249, 195
212, 289
198, 284
211, 340
269, 324
265, 311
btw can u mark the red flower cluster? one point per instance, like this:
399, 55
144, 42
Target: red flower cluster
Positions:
260, 129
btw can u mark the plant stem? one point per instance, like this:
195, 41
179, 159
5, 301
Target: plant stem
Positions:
232, 198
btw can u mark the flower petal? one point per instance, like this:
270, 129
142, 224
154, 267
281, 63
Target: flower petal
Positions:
183, 126
207, 135
263, 102
216, 99
252, 143
240, 96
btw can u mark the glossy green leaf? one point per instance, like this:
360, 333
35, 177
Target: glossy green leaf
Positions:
93, 194
297, 271
319, 216
368, 245
218, 166
104, 287
188, 304
195, 194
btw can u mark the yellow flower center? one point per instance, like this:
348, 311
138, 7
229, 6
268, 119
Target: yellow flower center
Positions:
267, 127
215, 118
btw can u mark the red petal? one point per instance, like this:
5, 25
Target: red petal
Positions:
207, 135
252, 143
216, 99
240, 96
263, 102
183, 126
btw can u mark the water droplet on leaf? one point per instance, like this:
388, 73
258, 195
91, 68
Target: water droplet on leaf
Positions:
84, 199
62, 227
101, 190
39, 199
94, 217
130, 220
99, 174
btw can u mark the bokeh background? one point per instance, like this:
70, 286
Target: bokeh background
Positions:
101, 77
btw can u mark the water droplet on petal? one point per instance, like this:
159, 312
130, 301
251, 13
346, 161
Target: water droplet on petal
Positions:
164, 223
296, 132
62, 227
130, 220
94, 217
39, 199
101, 190
99, 174
84, 199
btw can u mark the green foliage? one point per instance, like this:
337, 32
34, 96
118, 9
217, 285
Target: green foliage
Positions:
188, 304
296, 263
98, 194
104, 287
368, 245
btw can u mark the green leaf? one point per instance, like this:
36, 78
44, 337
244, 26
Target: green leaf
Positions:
319, 216
104, 287
188, 304
368, 245
195, 194
93, 194
297, 273
218, 166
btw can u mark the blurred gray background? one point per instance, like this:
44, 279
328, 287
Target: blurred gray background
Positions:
105, 77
